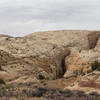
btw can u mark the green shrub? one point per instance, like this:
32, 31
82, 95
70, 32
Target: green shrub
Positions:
95, 65
2, 81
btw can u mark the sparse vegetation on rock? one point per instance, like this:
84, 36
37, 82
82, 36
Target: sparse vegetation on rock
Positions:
46, 94
41, 77
2, 81
36, 59
95, 65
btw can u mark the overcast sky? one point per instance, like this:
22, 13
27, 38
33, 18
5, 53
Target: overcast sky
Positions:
21, 17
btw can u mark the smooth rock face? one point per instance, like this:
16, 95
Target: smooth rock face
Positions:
76, 64
80, 62
47, 55
93, 39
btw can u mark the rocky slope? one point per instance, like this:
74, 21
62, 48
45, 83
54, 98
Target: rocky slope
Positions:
47, 56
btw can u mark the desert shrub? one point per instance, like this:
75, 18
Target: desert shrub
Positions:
41, 77
95, 65
97, 98
1, 68
2, 81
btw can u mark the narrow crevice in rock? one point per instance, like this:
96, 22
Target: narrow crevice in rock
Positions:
63, 69
63, 66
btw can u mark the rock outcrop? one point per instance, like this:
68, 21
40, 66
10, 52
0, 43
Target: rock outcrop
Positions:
49, 55
87, 83
40, 59
93, 39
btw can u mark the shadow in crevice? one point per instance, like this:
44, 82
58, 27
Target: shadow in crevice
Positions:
63, 66
62, 70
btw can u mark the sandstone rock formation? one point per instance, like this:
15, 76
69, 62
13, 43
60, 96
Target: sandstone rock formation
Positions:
39, 58
48, 55
80, 62
93, 39
87, 83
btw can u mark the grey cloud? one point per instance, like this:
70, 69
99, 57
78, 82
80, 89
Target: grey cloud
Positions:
20, 17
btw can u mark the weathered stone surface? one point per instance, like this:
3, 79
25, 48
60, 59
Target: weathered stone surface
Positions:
80, 62
43, 54
93, 39
93, 76
44, 51
5, 57
34, 59
87, 83
75, 64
